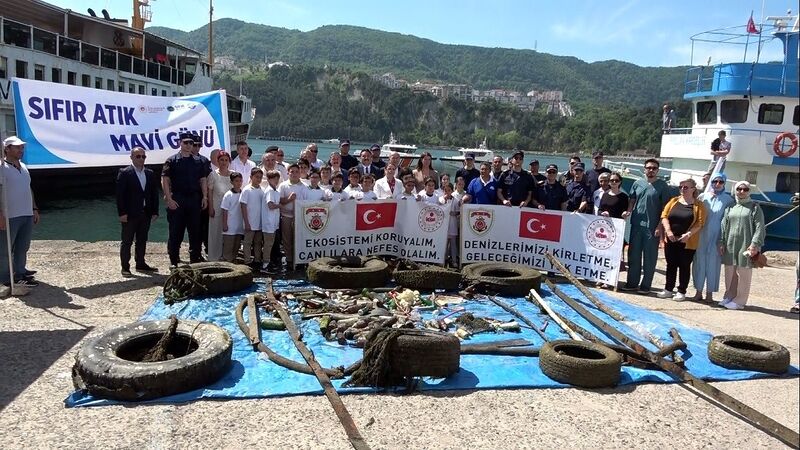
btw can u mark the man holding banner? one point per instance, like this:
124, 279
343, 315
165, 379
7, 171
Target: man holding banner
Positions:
183, 180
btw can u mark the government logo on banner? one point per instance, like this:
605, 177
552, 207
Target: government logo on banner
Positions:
601, 234
545, 227
480, 221
430, 218
315, 217
371, 216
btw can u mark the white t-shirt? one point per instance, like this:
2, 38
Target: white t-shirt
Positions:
286, 188
336, 196
431, 199
270, 218
243, 168
361, 195
230, 203
253, 197
18, 190
315, 194
350, 190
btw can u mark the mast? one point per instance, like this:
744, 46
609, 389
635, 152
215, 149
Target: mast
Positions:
210, 34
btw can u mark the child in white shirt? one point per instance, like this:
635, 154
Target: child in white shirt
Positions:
366, 193
232, 226
354, 177
314, 191
251, 201
325, 178
336, 193
452, 205
270, 216
429, 195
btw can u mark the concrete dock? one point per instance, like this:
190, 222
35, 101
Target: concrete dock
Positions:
82, 293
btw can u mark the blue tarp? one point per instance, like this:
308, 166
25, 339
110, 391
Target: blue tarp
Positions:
254, 376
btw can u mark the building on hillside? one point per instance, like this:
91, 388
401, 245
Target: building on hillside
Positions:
277, 64
419, 87
224, 63
389, 80
459, 91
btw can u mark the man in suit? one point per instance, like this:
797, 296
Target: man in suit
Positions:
366, 165
137, 206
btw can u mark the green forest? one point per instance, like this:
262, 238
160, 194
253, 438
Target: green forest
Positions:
312, 102
328, 92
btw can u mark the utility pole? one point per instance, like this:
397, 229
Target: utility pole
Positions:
210, 35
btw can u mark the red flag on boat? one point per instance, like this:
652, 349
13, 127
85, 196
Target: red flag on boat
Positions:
751, 26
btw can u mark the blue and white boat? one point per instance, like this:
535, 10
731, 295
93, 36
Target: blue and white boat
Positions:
756, 104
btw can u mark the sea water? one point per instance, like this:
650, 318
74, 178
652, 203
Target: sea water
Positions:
94, 218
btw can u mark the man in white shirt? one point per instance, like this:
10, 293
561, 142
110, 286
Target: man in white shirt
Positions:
242, 163
313, 157
291, 190
19, 208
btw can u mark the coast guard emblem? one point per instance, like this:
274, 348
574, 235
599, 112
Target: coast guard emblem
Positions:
480, 221
315, 217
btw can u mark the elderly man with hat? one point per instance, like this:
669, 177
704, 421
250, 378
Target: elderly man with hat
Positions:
348, 161
376, 157
184, 182
17, 215
515, 187
592, 175
552, 194
469, 172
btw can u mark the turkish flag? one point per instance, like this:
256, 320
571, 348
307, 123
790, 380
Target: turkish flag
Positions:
545, 227
751, 26
371, 216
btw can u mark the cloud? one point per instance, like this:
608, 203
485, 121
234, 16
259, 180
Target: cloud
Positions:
624, 25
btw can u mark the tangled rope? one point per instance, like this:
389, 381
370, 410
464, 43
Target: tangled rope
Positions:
376, 368
183, 283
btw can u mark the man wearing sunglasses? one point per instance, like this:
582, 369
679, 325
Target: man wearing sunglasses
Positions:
137, 207
648, 196
313, 156
184, 182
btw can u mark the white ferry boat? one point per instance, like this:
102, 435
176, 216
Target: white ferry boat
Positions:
406, 151
44, 42
481, 154
756, 104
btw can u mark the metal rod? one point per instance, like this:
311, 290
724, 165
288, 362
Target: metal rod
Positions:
518, 315
751, 415
556, 318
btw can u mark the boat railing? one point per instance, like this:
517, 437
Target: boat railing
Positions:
33, 38
741, 76
637, 171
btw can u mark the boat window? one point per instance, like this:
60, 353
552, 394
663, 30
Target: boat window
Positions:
163, 92
4, 68
44, 41
141, 89
98, 83
68, 48
787, 182
22, 69
108, 59
72, 78
125, 62
121, 86
16, 34
770, 113
38, 72
138, 67
86, 80
90, 54
131, 88
734, 111
154, 92
707, 112
110, 85
796, 116
55, 75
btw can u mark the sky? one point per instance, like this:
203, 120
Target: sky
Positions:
642, 32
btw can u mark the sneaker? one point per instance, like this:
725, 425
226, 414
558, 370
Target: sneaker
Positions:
795, 309
733, 305
126, 273
145, 268
643, 292
665, 294
698, 296
625, 287
679, 297
723, 302
29, 282
30, 273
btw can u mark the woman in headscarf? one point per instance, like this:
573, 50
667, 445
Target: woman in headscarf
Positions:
742, 237
707, 260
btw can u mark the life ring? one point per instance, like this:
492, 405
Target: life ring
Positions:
777, 146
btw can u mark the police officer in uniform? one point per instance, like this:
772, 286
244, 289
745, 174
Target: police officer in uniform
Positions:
183, 180
198, 144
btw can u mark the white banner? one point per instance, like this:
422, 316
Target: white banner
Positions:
71, 126
406, 229
590, 246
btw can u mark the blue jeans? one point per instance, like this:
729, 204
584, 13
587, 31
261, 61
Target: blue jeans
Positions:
21, 229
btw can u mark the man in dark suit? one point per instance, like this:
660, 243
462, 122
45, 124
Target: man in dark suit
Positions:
137, 206
366, 165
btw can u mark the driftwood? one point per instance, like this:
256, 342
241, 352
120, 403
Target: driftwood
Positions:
515, 312
356, 440
253, 316
749, 414
556, 318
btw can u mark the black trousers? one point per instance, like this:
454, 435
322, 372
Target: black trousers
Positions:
679, 258
185, 218
136, 228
